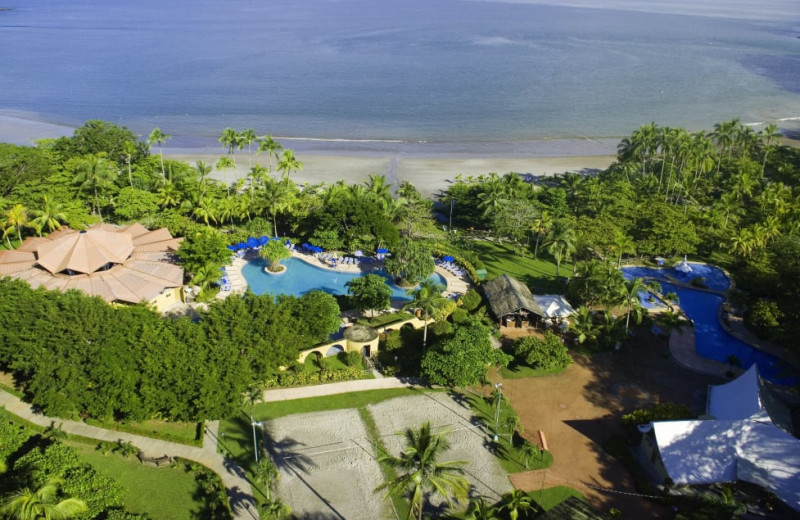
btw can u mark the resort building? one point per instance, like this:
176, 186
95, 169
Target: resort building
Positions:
746, 435
512, 303
119, 264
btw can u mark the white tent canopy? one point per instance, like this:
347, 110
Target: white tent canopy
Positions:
553, 305
742, 443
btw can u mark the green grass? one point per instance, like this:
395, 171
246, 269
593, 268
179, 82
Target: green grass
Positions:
384, 319
399, 502
514, 371
539, 274
549, 498
168, 493
11, 390
180, 432
508, 450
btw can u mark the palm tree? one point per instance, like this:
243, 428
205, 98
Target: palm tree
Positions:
479, 509
51, 215
96, 174
288, 163
742, 243
248, 137
205, 210
274, 197
226, 163
541, 225
128, 150
528, 451
770, 136
376, 184
517, 502
428, 297
230, 139
266, 475
492, 194
14, 220
275, 509
629, 299
561, 242
583, 325
421, 473
168, 195
158, 137
203, 171
670, 321
41, 504
272, 147
623, 244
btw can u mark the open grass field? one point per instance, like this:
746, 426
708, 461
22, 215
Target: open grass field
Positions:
167, 493
181, 432
538, 274
548, 498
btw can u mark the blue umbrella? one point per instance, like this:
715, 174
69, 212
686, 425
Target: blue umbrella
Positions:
252, 242
263, 240
382, 250
448, 258
241, 245
358, 253
232, 248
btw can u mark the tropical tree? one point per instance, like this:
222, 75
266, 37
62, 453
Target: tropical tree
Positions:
248, 137
517, 502
629, 299
541, 225
427, 297
14, 220
769, 136
50, 216
95, 174
203, 170
411, 262
266, 475
370, 292
528, 451
288, 163
230, 139
561, 241
226, 164
42, 504
158, 137
421, 473
480, 509
129, 149
272, 147
275, 509
274, 251
623, 244
275, 199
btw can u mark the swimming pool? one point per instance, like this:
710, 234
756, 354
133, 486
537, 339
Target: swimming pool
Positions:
714, 277
302, 277
713, 341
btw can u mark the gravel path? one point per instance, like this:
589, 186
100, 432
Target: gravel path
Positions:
327, 467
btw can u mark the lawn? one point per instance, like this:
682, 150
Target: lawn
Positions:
167, 493
549, 498
180, 432
384, 319
538, 274
509, 451
517, 371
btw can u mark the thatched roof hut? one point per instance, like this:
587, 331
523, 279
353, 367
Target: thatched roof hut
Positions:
507, 295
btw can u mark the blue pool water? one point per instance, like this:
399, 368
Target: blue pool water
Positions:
714, 342
301, 277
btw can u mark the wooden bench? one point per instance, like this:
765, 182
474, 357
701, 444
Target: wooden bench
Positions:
157, 462
542, 440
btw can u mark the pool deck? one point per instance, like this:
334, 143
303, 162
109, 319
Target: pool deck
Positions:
455, 285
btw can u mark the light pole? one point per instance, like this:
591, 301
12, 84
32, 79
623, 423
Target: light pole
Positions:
499, 389
255, 444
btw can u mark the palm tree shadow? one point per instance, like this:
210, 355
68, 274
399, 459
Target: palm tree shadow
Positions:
284, 453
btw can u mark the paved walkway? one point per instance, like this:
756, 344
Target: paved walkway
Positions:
233, 477
287, 394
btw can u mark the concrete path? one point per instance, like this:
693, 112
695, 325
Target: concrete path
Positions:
233, 477
287, 394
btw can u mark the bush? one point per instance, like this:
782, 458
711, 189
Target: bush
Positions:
699, 282
660, 412
763, 318
441, 328
354, 359
460, 316
470, 301
545, 354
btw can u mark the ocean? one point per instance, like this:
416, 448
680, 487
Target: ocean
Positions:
459, 74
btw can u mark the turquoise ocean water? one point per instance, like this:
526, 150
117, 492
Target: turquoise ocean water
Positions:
470, 74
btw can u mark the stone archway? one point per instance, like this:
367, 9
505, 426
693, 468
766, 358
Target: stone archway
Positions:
334, 350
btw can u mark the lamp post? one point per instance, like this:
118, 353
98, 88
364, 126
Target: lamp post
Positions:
255, 443
499, 389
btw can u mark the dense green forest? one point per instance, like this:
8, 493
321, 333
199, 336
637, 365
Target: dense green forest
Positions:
730, 196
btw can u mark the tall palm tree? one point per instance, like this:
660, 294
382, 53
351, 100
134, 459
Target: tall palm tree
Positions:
230, 139
561, 242
275, 509
421, 473
248, 137
128, 150
226, 164
266, 475
629, 299
541, 225
769, 136
376, 184
158, 137
41, 504
203, 171
50, 216
14, 220
288, 163
480, 509
95, 174
272, 147
428, 297
623, 244
274, 200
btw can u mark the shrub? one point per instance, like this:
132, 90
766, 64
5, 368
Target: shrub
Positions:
763, 317
354, 359
460, 316
660, 412
545, 354
470, 300
441, 328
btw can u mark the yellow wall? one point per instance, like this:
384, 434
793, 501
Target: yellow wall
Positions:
168, 297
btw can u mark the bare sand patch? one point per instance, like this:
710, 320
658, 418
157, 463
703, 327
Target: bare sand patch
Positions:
326, 465
469, 441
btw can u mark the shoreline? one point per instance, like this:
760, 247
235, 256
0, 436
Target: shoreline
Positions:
429, 166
